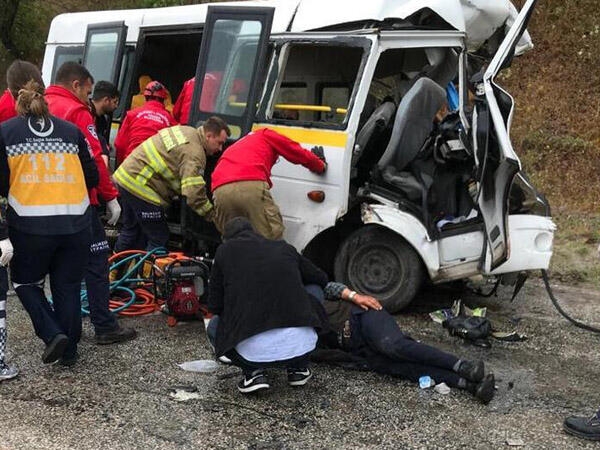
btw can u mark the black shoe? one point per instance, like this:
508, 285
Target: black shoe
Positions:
471, 370
55, 349
120, 334
253, 382
68, 361
484, 390
583, 427
298, 377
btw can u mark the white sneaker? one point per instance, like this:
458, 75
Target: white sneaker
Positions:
224, 360
7, 372
255, 382
298, 377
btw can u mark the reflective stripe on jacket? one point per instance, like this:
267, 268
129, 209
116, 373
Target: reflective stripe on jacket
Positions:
50, 169
168, 164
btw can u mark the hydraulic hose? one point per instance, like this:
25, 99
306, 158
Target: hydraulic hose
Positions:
137, 300
561, 311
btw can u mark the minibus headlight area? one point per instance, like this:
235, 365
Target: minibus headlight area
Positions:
543, 242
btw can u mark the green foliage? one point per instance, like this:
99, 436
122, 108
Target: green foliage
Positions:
161, 3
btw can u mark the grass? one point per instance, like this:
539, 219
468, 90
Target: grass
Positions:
575, 259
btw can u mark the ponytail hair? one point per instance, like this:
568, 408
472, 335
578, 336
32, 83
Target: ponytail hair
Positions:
30, 100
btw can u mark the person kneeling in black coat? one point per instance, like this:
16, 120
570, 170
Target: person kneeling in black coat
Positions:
264, 316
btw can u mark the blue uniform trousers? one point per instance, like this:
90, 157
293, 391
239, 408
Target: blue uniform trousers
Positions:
63, 258
96, 278
144, 225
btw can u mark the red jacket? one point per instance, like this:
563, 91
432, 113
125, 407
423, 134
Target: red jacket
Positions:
7, 106
139, 124
252, 158
208, 98
65, 105
181, 109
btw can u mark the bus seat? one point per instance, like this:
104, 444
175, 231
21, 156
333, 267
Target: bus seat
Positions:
413, 124
375, 125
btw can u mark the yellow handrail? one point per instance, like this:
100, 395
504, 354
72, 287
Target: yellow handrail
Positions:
317, 108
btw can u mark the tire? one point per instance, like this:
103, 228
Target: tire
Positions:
376, 261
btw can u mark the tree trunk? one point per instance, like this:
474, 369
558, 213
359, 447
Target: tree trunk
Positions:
9, 10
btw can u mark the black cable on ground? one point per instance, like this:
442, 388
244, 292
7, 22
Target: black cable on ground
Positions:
561, 311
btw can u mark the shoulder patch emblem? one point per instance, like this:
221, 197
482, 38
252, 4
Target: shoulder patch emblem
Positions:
92, 130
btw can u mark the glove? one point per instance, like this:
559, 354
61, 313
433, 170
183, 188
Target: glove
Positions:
317, 150
7, 252
113, 210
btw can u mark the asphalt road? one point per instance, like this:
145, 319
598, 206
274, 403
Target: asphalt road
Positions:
119, 397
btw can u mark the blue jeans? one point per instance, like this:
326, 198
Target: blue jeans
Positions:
377, 337
63, 258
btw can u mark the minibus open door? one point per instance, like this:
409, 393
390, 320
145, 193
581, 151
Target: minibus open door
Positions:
497, 163
232, 56
103, 51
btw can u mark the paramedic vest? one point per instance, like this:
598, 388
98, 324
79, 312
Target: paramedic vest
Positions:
47, 190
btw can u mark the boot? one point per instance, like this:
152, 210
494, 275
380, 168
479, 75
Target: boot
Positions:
485, 390
471, 370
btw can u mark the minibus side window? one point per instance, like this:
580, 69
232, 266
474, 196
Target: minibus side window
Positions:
62, 54
333, 95
292, 94
315, 84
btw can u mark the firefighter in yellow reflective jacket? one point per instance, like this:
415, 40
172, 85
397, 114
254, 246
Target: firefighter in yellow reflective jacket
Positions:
170, 163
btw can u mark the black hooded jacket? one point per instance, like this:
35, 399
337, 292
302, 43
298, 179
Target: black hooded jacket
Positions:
257, 284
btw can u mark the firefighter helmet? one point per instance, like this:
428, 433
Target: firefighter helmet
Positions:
156, 89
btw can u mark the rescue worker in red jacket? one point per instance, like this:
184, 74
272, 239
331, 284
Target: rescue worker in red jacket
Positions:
242, 179
181, 109
18, 73
208, 97
7, 106
141, 123
68, 100
169, 164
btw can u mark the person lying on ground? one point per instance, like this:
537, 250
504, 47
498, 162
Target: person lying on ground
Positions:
360, 326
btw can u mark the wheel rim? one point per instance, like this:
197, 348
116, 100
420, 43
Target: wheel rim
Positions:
376, 269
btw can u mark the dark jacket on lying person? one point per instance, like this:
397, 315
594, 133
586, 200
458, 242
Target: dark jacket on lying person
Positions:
257, 285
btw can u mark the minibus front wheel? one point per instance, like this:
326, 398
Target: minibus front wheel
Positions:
376, 261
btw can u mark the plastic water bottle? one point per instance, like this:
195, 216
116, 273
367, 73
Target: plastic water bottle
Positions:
425, 382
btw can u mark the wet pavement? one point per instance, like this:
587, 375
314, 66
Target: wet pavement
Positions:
120, 397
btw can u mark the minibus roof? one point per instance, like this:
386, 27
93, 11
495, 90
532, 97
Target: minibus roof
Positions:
70, 28
478, 19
